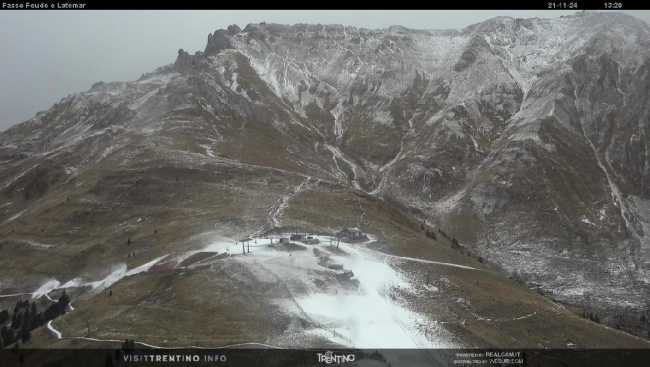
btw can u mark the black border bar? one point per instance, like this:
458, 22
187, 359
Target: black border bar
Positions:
324, 5
324, 357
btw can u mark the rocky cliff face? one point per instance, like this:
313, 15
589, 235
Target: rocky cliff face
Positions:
526, 139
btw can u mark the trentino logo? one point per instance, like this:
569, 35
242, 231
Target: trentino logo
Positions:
329, 358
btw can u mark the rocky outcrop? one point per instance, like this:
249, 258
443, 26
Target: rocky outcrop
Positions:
218, 41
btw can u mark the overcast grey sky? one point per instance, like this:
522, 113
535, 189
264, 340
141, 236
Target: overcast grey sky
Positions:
47, 55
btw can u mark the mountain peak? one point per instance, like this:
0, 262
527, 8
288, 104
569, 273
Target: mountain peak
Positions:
217, 41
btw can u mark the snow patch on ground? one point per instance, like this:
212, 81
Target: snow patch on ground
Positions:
19, 176
144, 267
119, 272
142, 100
55, 332
337, 154
46, 288
449, 203
424, 261
276, 212
587, 221
365, 316
37, 245
15, 216
208, 150
368, 318
73, 283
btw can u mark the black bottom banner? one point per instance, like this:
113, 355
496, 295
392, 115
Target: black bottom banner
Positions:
317, 357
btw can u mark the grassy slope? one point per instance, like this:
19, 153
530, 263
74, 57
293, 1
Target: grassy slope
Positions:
217, 306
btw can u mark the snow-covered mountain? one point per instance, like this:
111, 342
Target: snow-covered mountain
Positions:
525, 140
